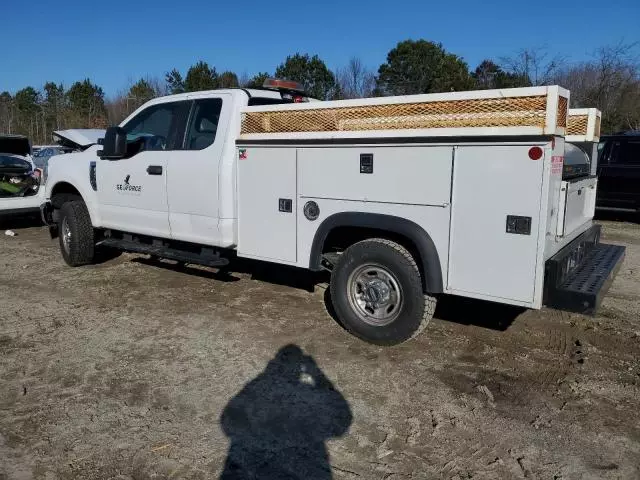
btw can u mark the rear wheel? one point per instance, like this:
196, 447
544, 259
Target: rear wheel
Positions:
376, 291
76, 234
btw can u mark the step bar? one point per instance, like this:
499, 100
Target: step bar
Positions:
578, 277
158, 248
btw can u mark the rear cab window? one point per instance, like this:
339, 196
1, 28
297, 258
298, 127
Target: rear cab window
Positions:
203, 124
256, 101
626, 152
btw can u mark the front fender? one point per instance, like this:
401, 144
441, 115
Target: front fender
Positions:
72, 175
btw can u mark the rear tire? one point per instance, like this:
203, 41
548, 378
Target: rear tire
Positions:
76, 235
376, 292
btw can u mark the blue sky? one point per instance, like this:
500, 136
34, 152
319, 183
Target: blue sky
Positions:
118, 41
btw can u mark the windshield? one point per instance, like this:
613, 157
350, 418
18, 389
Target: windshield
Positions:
9, 161
255, 101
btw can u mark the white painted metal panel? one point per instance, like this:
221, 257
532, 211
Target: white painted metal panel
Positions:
580, 205
418, 175
489, 183
20, 203
433, 220
193, 185
130, 199
266, 175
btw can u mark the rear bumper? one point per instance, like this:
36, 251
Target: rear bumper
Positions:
578, 277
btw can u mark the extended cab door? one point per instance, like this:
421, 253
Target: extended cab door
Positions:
132, 192
193, 174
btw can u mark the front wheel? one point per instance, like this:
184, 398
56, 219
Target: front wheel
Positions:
376, 291
75, 231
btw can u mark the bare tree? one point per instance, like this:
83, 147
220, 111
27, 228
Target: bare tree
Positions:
356, 80
135, 94
243, 79
535, 65
610, 82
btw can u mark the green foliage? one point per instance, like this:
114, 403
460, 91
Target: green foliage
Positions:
228, 80
258, 80
175, 82
53, 94
141, 91
489, 75
610, 81
86, 97
26, 100
311, 72
422, 67
86, 101
201, 77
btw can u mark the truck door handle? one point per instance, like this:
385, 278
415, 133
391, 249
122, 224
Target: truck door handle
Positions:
154, 170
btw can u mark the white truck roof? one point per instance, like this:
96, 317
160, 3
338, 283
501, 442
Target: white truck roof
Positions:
511, 112
251, 92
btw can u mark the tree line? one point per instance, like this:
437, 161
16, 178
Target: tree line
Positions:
609, 80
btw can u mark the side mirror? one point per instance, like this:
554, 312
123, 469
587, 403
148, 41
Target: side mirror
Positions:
114, 144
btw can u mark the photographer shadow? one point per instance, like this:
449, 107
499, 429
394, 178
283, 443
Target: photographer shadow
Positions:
279, 422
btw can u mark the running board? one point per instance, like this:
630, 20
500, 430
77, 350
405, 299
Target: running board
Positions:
207, 257
579, 278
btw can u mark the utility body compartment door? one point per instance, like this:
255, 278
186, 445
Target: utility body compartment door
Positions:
577, 204
410, 175
267, 204
496, 207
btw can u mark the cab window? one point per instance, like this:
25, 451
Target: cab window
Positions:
158, 127
203, 125
627, 152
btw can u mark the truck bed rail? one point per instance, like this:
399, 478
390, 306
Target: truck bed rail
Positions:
517, 111
583, 125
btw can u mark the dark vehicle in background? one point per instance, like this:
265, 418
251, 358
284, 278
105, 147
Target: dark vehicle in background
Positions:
619, 172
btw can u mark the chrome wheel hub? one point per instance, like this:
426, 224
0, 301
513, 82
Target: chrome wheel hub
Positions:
374, 294
65, 232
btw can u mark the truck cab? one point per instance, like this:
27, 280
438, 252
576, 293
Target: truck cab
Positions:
176, 177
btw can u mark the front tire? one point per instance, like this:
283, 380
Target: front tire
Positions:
76, 235
376, 291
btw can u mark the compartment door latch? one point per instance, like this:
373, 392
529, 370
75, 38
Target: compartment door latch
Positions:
285, 205
518, 225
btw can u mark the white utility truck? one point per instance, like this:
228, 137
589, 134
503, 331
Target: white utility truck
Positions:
403, 199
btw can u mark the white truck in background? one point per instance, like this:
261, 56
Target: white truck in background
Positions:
23, 173
403, 199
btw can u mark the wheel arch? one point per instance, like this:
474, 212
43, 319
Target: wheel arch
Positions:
66, 187
424, 247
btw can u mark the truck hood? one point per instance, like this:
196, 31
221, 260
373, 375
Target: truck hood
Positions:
78, 138
74, 158
15, 145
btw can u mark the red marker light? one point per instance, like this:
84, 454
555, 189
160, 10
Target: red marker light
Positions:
284, 84
535, 153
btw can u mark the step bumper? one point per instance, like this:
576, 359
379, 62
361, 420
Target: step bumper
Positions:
578, 277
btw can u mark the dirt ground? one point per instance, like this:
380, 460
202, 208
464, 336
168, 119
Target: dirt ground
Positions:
134, 369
